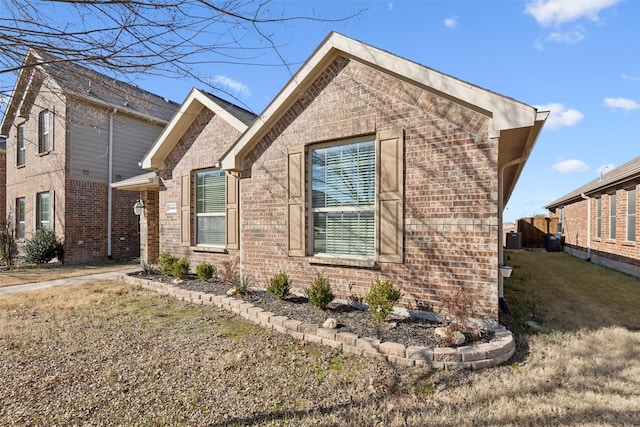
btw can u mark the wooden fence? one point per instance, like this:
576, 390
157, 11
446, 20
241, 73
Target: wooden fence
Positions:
535, 229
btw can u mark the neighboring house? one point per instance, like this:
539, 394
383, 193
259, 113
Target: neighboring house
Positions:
598, 220
365, 165
70, 132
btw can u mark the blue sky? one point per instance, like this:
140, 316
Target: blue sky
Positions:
578, 58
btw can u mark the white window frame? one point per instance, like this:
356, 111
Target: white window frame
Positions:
45, 127
631, 215
612, 216
599, 217
40, 223
20, 218
21, 144
371, 247
219, 214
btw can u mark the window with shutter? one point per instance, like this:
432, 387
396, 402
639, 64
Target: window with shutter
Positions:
343, 199
210, 204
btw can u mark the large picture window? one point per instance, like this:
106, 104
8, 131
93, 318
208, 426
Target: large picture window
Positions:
20, 218
45, 137
631, 215
43, 211
21, 145
343, 199
210, 208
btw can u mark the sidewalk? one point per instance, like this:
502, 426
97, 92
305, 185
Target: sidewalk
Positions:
69, 281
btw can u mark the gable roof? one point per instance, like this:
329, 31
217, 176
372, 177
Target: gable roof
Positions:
77, 81
616, 177
197, 99
518, 125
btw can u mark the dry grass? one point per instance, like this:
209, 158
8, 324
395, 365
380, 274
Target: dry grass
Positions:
106, 354
54, 271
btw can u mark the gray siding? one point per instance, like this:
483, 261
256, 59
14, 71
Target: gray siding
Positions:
132, 139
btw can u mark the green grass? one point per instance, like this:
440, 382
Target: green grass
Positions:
564, 293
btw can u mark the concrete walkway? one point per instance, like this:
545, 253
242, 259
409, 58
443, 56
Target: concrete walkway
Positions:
68, 281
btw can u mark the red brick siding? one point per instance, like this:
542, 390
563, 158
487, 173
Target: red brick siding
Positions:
575, 228
150, 227
3, 188
450, 211
200, 147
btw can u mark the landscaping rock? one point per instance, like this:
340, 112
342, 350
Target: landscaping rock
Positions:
330, 323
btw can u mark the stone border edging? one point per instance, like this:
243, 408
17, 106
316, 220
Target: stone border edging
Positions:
478, 356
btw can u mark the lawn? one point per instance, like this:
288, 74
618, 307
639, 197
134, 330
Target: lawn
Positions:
109, 354
53, 271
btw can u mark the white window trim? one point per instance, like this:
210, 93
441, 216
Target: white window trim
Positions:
21, 144
612, 216
599, 217
634, 215
312, 210
197, 215
45, 127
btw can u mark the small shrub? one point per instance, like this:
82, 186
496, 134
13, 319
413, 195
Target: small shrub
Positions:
242, 284
279, 285
319, 293
205, 271
43, 247
180, 268
166, 262
459, 307
381, 298
148, 269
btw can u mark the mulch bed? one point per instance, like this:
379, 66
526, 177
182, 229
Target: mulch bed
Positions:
410, 331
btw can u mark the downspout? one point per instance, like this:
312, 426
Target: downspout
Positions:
110, 180
502, 302
588, 199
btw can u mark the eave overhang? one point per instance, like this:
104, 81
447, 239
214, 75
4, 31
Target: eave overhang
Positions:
145, 182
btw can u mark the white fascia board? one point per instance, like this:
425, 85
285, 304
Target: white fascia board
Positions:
506, 113
180, 122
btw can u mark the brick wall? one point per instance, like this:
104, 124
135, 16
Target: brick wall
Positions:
450, 172
150, 227
618, 248
200, 147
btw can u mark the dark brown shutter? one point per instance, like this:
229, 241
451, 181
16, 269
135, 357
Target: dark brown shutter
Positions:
296, 203
390, 167
232, 212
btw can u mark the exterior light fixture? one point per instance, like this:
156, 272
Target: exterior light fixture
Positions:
138, 207
505, 270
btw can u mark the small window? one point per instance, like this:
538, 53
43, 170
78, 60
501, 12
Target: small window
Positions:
21, 145
45, 137
612, 216
210, 208
43, 211
20, 215
599, 217
631, 215
343, 199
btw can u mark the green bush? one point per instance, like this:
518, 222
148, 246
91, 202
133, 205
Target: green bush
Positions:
43, 247
319, 293
205, 271
242, 284
166, 262
279, 285
180, 268
381, 298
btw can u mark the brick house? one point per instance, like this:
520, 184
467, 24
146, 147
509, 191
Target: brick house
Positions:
184, 156
598, 220
365, 165
70, 132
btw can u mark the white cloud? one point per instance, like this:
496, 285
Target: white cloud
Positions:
451, 22
570, 166
560, 116
628, 77
621, 104
555, 12
390, 5
238, 87
566, 37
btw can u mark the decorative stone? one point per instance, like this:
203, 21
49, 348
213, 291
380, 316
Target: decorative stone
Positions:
391, 325
177, 281
441, 331
231, 292
330, 323
459, 337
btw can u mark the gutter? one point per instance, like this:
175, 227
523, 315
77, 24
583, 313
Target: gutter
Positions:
110, 181
588, 199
